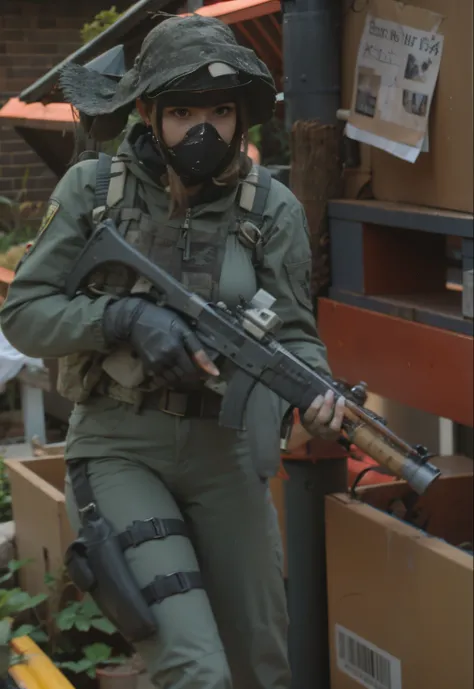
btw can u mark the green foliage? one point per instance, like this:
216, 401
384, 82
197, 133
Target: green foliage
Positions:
17, 217
76, 618
100, 23
95, 655
5, 495
255, 135
74, 621
13, 602
83, 615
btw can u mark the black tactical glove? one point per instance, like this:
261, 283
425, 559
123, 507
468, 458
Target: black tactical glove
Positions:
165, 344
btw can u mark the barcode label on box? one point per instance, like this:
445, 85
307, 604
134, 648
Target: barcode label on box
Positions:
364, 662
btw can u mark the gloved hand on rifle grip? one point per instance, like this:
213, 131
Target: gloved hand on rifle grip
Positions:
165, 344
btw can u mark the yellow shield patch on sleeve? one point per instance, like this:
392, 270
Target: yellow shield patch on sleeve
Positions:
51, 211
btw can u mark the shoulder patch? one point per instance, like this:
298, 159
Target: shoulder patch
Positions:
51, 211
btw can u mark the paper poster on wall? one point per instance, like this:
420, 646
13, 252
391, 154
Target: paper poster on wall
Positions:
396, 72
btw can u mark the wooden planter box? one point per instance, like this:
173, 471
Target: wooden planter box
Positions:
42, 527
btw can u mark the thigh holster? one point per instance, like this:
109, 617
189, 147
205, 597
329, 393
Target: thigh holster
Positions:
96, 563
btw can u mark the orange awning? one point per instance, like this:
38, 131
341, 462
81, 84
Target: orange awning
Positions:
54, 116
234, 11
254, 22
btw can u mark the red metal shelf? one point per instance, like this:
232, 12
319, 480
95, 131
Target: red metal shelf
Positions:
417, 365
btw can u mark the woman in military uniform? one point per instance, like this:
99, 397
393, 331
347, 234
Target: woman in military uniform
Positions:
188, 498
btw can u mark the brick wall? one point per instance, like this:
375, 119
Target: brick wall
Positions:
35, 36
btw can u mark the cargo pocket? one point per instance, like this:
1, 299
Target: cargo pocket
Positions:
299, 277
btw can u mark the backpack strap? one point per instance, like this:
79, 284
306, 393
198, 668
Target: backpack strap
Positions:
254, 192
102, 180
253, 196
109, 186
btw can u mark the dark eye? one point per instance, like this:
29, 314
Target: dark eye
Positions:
180, 112
223, 110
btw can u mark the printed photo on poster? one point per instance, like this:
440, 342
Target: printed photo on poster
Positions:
368, 86
416, 70
415, 103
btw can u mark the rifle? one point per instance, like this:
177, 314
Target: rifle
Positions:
246, 337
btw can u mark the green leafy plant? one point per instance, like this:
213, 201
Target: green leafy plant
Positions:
100, 23
255, 135
61, 633
95, 656
13, 602
67, 615
83, 615
18, 217
5, 495
71, 624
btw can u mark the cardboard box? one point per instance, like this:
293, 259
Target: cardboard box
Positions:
443, 177
401, 600
42, 527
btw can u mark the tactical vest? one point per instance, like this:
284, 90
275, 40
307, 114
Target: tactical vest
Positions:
193, 256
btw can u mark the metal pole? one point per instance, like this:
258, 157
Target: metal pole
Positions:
305, 491
311, 49
311, 60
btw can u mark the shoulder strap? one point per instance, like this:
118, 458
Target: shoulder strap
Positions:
254, 192
110, 184
104, 164
253, 195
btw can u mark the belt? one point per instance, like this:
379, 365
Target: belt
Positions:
203, 404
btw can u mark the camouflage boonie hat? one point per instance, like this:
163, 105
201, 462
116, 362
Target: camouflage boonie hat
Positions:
171, 55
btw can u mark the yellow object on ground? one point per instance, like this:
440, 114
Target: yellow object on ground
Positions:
38, 671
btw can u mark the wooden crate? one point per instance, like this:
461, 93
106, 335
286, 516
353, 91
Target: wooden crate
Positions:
42, 528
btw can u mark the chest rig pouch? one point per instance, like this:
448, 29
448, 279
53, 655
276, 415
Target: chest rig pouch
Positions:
195, 257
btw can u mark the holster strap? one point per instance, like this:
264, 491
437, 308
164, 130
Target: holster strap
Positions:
81, 487
170, 585
151, 530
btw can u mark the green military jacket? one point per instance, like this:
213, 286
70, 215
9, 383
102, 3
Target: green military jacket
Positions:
39, 320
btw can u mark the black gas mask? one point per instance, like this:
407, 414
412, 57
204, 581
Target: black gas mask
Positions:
201, 155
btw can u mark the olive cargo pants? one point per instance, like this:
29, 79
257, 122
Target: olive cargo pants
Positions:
232, 634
